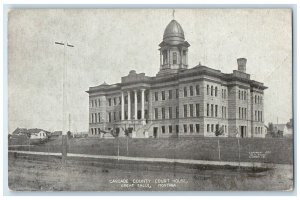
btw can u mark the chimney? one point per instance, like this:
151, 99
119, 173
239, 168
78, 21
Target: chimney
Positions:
242, 64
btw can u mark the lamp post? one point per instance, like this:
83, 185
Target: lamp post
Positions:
64, 120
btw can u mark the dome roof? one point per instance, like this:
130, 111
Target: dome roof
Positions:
173, 33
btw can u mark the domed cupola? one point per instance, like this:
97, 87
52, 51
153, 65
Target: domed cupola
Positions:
173, 50
173, 33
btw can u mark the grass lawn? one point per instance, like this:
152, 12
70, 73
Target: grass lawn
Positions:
270, 150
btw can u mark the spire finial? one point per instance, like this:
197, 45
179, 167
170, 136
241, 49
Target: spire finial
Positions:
173, 14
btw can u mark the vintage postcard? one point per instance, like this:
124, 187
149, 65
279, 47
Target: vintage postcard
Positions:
150, 100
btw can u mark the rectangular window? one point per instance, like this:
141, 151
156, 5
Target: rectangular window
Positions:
109, 102
162, 95
120, 115
216, 91
114, 116
225, 109
185, 110
191, 91
212, 91
197, 110
185, 128
170, 129
146, 96
92, 118
197, 128
170, 94
156, 113
156, 96
115, 101
207, 110
212, 110
95, 103
163, 113
109, 117
242, 112
207, 127
99, 118
174, 58
216, 110
177, 112
222, 111
197, 90
177, 93
177, 128
163, 130
191, 128
225, 93
239, 112
185, 92
212, 128
207, 89
170, 112
191, 110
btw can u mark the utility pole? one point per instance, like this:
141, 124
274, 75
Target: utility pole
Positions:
64, 120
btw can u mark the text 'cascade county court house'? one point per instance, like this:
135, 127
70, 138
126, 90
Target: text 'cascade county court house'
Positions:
179, 101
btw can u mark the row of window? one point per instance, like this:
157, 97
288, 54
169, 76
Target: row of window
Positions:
242, 113
191, 108
211, 128
258, 116
258, 130
191, 89
191, 128
170, 129
213, 91
163, 95
95, 103
95, 118
163, 113
212, 111
258, 99
243, 94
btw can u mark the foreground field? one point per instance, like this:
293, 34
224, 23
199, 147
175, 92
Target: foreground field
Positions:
34, 173
269, 150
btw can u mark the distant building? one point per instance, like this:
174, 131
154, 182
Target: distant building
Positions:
285, 129
179, 101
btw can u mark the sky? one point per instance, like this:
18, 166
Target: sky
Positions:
109, 43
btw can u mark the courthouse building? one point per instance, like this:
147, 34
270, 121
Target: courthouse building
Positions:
180, 101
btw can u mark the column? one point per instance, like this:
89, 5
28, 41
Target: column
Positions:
143, 102
135, 105
129, 105
169, 58
122, 106
161, 62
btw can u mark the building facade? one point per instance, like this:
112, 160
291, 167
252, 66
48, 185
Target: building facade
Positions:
179, 101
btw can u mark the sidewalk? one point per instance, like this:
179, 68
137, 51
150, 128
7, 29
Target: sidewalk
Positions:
166, 160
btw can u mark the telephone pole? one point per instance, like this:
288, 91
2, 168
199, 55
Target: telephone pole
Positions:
64, 114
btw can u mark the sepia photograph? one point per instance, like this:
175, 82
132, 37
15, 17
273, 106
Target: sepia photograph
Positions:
137, 100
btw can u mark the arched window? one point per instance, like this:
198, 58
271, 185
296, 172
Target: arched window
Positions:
239, 94
212, 90
216, 91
